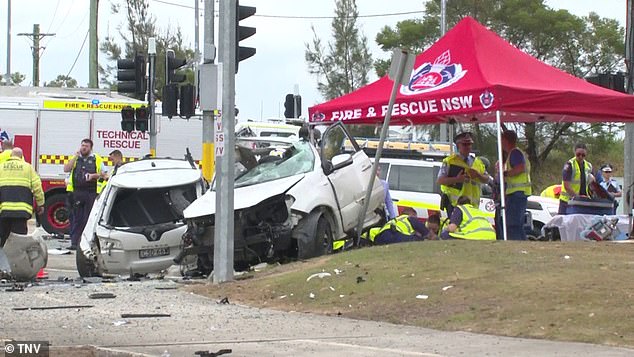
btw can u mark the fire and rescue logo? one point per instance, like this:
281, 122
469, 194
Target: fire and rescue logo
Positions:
318, 116
486, 99
429, 77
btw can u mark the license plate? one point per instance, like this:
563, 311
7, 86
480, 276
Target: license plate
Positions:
154, 252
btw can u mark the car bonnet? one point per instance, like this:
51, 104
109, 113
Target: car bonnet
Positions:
243, 197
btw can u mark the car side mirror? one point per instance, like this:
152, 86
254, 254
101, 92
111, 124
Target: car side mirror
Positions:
341, 160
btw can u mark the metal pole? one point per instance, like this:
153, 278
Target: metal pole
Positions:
224, 229
444, 128
628, 178
209, 55
93, 58
7, 79
400, 69
150, 98
498, 121
196, 31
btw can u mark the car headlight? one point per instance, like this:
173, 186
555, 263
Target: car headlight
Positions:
107, 243
289, 200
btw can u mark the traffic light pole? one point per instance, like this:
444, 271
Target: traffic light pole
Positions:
224, 230
150, 98
209, 55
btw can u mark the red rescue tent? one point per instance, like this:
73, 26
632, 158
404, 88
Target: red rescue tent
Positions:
470, 74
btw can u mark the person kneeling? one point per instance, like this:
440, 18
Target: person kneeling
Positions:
468, 222
404, 228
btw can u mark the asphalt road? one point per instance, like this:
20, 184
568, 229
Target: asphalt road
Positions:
196, 323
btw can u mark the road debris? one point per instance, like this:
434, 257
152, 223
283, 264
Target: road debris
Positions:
422, 297
447, 287
52, 307
213, 354
311, 295
318, 275
337, 271
223, 301
102, 296
331, 288
566, 257
120, 322
360, 279
141, 316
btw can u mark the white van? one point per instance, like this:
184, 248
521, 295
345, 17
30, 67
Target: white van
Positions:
413, 184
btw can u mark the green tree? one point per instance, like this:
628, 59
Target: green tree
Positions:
16, 79
140, 25
578, 45
62, 81
345, 64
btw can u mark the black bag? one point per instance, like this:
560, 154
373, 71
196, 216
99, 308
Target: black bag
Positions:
552, 233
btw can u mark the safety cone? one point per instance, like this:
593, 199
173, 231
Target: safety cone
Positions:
42, 274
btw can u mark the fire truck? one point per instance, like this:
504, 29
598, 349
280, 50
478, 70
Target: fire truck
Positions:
49, 124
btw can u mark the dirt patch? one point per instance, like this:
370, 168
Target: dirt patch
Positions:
577, 291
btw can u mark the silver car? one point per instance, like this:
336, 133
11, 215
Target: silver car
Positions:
136, 223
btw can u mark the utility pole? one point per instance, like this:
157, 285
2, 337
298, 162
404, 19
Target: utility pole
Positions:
151, 51
7, 78
36, 36
224, 229
196, 31
93, 58
628, 179
443, 29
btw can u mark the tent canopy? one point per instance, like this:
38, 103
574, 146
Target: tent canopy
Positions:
468, 75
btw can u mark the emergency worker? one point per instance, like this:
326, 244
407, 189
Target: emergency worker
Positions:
461, 174
7, 146
610, 184
19, 186
576, 177
468, 222
517, 187
404, 228
85, 169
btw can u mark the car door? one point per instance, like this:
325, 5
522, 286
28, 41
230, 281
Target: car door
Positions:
348, 183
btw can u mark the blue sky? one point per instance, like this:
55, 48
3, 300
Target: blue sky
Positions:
263, 80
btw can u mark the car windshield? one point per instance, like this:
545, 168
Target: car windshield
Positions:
296, 159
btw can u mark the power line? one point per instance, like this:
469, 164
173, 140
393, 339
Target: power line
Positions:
300, 17
78, 54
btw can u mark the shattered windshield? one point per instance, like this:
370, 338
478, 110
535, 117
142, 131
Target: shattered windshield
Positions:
296, 159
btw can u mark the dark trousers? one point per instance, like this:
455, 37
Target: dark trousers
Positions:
8, 225
81, 203
515, 213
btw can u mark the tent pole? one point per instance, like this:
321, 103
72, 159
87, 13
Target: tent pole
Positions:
397, 78
501, 174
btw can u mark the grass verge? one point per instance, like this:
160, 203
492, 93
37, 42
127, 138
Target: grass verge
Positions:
572, 291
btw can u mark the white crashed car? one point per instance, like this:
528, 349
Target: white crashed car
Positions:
136, 224
292, 206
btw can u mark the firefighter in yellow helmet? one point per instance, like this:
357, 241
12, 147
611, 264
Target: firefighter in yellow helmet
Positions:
468, 222
19, 186
461, 174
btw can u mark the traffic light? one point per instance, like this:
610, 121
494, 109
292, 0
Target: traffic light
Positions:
243, 32
188, 101
292, 106
170, 98
171, 65
607, 80
127, 119
131, 76
142, 118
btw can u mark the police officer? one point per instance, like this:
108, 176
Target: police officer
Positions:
404, 228
85, 169
517, 187
468, 222
19, 186
576, 177
461, 174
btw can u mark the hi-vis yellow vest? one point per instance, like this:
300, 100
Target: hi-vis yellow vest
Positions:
471, 187
521, 182
575, 181
474, 225
400, 224
19, 186
100, 183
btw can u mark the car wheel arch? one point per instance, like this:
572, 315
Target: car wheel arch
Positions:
304, 232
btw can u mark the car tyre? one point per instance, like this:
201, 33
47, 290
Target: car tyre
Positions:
85, 267
323, 236
55, 216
